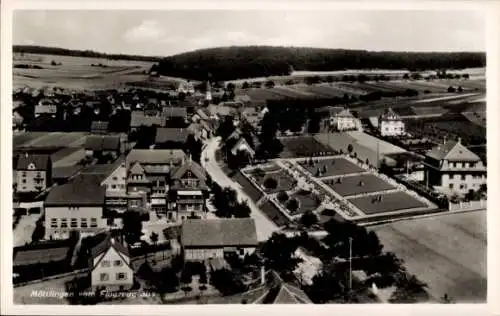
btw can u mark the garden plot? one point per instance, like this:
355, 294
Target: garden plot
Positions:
301, 202
276, 181
326, 91
58, 139
390, 202
331, 167
304, 147
354, 185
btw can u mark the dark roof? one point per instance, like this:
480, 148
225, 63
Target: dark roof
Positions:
389, 114
139, 118
102, 142
290, 294
219, 232
452, 150
41, 162
242, 141
107, 243
156, 156
83, 190
194, 167
165, 134
174, 111
64, 172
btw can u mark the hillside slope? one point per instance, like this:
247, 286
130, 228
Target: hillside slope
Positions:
236, 62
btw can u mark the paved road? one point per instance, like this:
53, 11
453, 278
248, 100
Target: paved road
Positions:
265, 227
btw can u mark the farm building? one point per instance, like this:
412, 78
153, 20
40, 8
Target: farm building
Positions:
209, 239
33, 172
103, 145
390, 124
452, 168
174, 112
110, 267
99, 127
171, 138
139, 118
77, 205
242, 145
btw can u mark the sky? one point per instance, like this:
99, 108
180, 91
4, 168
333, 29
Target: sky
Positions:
164, 33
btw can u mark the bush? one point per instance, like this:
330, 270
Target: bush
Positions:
270, 183
227, 282
292, 205
308, 219
282, 196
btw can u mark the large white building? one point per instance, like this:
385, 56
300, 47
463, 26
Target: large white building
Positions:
75, 206
390, 124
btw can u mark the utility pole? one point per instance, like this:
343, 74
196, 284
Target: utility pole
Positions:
350, 264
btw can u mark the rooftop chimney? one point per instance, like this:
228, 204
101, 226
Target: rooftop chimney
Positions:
112, 241
460, 140
26, 154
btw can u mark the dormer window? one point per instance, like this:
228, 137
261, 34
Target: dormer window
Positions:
31, 166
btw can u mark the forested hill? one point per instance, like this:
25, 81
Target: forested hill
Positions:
78, 53
228, 63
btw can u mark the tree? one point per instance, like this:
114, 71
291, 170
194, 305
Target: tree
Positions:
242, 210
350, 148
416, 76
269, 84
329, 79
53, 63
193, 147
270, 183
166, 281
406, 76
226, 128
292, 205
278, 252
308, 219
362, 78
409, 290
227, 282
230, 87
132, 226
282, 196
465, 76
245, 85
460, 89
154, 237
451, 89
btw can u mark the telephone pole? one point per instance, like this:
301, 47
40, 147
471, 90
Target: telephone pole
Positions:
350, 264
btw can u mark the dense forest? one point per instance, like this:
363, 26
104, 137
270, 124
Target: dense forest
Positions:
31, 49
228, 63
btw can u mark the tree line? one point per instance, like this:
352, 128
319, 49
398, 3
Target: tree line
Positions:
237, 62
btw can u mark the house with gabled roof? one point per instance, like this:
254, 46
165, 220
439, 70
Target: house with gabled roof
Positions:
188, 191
216, 238
139, 118
340, 119
171, 138
453, 168
77, 205
242, 145
110, 268
45, 107
33, 172
390, 124
103, 145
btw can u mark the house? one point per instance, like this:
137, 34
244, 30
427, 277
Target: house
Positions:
147, 174
103, 145
188, 191
33, 173
215, 238
139, 118
45, 107
200, 130
110, 268
341, 119
17, 120
185, 87
452, 168
77, 205
99, 127
113, 178
174, 112
221, 111
242, 145
390, 124
171, 138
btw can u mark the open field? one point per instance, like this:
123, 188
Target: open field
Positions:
352, 185
390, 202
303, 146
332, 167
21, 138
448, 252
54, 139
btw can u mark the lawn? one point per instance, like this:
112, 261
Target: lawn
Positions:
391, 202
58, 139
433, 249
21, 138
366, 183
334, 167
285, 181
307, 202
274, 214
304, 146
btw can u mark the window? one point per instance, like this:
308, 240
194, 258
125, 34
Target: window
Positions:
104, 277
118, 263
113, 186
451, 185
24, 173
115, 178
74, 223
93, 222
463, 177
24, 180
121, 276
105, 263
466, 165
64, 222
242, 251
38, 174
53, 222
83, 222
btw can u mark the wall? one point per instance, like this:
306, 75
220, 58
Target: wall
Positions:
30, 184
392, 128
470, 182
207, 253
58, 213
